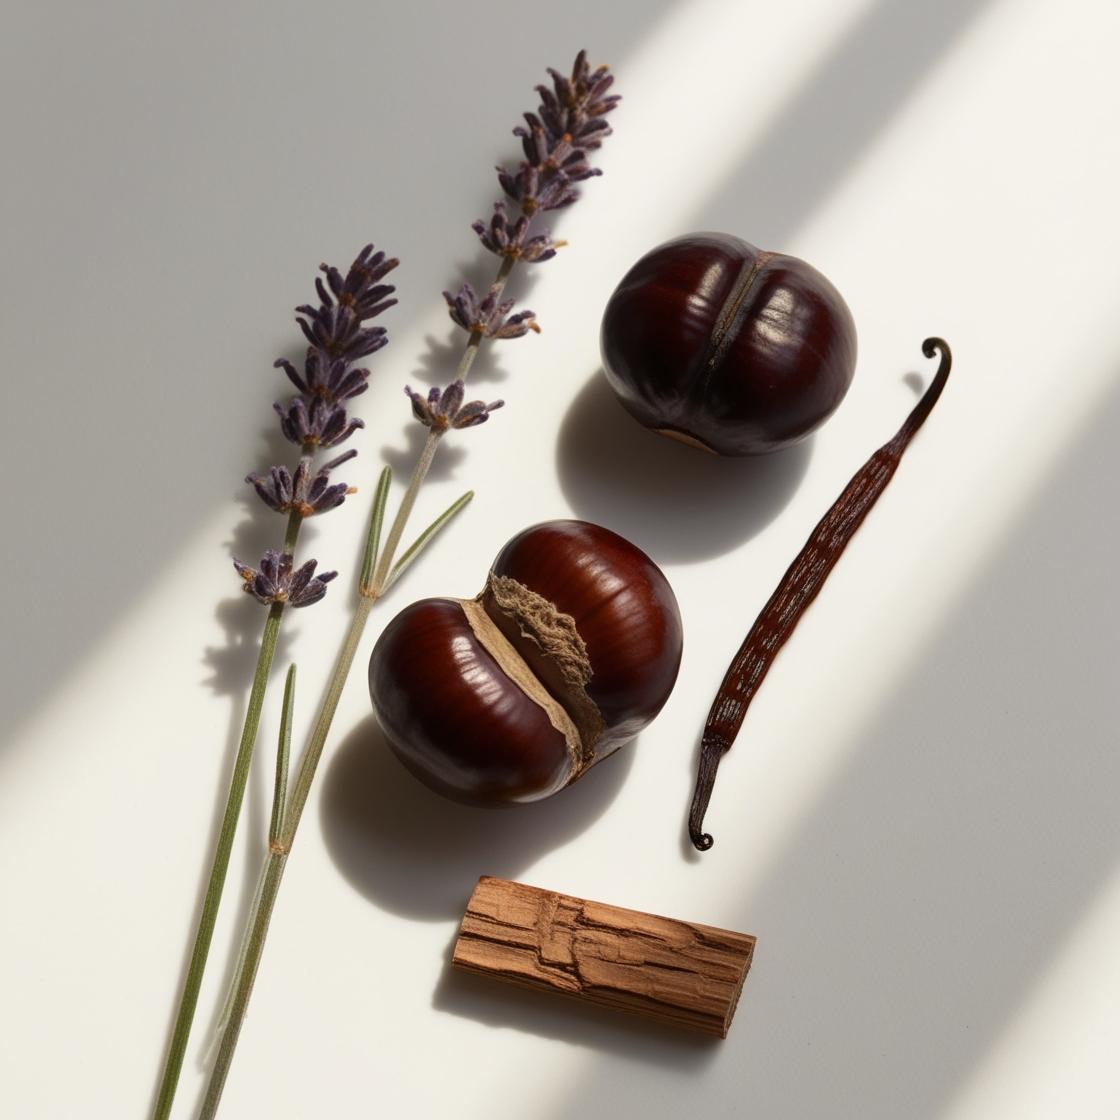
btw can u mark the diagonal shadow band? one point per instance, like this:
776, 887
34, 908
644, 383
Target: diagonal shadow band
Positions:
181, 226
838, 112
908, 917
840, 109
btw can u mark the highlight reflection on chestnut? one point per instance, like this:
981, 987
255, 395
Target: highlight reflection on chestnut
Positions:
735, 350
571, 648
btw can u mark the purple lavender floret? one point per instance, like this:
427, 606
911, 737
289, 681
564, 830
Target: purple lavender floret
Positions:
534, 189
346, 302
359, 289
302, 492
507, 240
488, 316
338, 332
443, 410
275, 582
333, 380
552, 155
315, 424
576, 105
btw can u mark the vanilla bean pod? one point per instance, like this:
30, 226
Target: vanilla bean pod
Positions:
797, 589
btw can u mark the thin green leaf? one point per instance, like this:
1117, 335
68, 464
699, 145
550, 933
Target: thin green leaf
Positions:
283, 750
373, 541
425, 538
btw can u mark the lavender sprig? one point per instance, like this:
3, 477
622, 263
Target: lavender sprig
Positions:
337, 335
555, 141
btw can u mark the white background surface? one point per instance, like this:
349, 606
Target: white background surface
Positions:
919, 819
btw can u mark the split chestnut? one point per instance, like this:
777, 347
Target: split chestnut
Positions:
727, 347
571, 648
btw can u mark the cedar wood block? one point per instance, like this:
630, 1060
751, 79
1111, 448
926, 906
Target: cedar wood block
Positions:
675, 972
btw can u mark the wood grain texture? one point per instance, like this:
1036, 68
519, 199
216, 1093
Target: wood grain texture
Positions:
672, 971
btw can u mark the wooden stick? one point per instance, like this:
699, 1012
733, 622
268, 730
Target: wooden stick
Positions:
676, 972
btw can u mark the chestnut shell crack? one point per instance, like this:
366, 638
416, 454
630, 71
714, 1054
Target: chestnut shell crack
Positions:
733, 309
491, 638
554, 635
553, 632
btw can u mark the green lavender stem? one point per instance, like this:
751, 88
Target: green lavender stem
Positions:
283, 749
471, 352
279, 803
423, 465
419, 473
205, 933
243, 989
278, 858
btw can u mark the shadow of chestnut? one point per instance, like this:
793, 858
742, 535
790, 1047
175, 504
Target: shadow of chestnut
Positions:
679, 503
415, 853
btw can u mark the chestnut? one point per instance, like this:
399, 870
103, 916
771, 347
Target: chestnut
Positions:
570, 649
727, 347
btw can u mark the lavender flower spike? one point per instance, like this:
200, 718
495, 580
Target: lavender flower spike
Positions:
556, 139
275, 582
488, 317
440, 411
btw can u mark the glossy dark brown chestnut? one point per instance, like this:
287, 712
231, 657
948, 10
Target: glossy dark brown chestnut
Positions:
571, 648
719, 344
